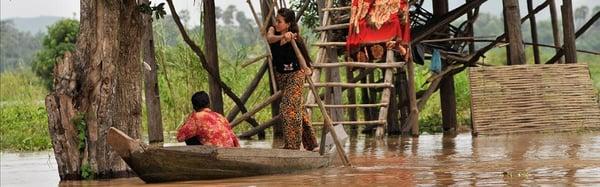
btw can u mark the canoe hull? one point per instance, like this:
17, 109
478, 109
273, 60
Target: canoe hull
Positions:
180, 163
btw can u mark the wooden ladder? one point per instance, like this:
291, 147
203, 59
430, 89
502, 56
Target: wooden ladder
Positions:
323, 62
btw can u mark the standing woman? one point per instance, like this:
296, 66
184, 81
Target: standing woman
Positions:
290, 79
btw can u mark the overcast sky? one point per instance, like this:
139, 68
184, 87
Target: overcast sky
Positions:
69, 8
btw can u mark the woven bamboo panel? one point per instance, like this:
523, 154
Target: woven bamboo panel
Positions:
533, 98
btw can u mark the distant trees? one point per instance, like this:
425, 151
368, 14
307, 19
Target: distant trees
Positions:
60, 38
17, 48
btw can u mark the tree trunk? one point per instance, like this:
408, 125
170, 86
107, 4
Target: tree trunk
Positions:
569, 32
100, 83
155, 128
210, 46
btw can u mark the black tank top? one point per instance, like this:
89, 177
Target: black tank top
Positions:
284, 57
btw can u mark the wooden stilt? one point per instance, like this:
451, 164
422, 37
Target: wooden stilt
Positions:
569, 32
534, 34
555, 31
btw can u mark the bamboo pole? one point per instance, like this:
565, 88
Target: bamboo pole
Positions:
577, 34
555, 31
271, 73
534, 33
260, 128
252, 61
327, 122
250, 113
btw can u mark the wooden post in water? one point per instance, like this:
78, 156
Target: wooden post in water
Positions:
534, 34
555, 31
512, 17
447, 95
569, 32
155, 127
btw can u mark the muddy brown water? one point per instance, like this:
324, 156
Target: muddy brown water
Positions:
430, 160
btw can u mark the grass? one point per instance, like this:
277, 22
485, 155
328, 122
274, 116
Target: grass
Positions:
23, 117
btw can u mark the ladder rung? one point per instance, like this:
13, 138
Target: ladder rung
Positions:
359, 64
352, 85
336, 8
332, 27
377, 122
348, 105
328, 44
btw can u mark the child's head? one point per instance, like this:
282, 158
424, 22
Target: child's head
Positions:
200, 100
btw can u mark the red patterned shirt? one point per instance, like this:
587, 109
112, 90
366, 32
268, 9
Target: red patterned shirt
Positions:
210, 128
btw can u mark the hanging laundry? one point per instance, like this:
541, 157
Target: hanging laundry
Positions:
376, 22
436, 61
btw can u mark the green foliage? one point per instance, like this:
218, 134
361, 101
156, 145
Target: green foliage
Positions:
86, 171
159, 10
17, 47
79, 122
23, 118
61, 38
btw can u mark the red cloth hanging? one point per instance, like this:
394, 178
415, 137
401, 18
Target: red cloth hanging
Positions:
377, 21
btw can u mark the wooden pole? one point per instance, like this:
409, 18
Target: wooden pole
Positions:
351, 100
555, 31
569, 32
515, 38
256, 109
328, 124
413, 119
447, 95
260, 128
534, 34
579, 32
212, 56
155, 127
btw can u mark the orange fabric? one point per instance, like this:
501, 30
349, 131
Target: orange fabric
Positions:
209, 127
377, 21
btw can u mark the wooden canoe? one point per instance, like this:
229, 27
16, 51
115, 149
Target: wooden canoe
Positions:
180, 163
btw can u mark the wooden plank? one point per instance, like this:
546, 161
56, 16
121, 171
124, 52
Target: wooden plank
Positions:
350, 105
360, 64
336, 8
353, 85
332, 27
376, 122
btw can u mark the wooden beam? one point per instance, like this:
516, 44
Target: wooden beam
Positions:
260, 128
433, 26
350, 105
256, 109
353, 85
569, 32
359, 64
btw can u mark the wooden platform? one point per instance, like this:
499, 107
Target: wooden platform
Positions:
533, 98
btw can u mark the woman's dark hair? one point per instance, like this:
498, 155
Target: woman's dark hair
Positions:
290, 17
200, 100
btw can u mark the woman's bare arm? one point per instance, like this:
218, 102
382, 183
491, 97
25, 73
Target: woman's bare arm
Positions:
271, 37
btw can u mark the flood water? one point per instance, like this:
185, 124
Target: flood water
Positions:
458, 160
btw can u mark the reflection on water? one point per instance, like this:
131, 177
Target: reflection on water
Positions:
450, 159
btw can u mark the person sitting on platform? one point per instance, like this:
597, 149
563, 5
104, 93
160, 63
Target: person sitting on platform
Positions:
205, 127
